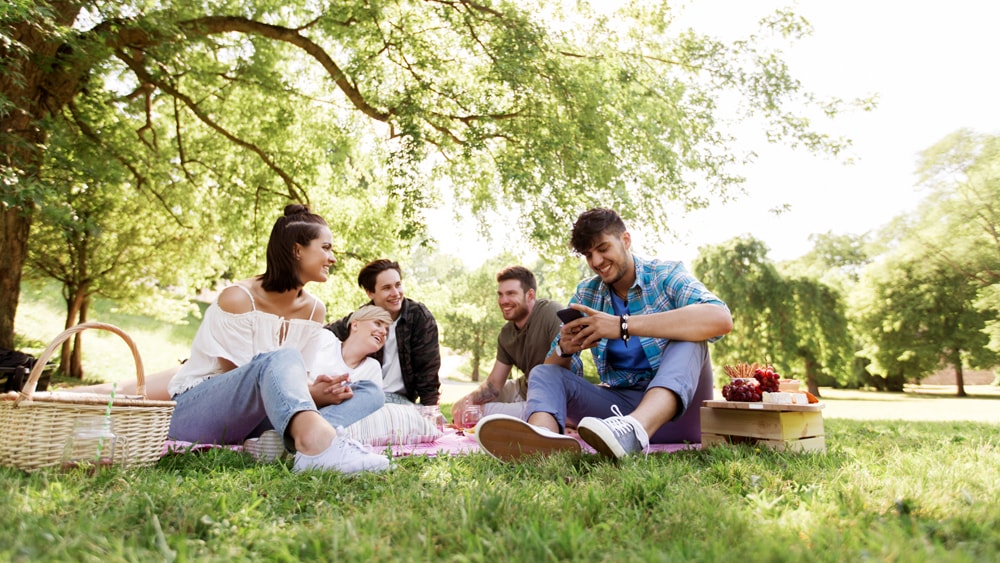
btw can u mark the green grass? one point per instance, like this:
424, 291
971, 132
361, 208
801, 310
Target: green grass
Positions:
884, 491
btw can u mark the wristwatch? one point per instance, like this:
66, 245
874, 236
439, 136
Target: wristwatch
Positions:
559, 352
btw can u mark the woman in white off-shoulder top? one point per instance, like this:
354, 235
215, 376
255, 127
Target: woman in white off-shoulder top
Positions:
248, 366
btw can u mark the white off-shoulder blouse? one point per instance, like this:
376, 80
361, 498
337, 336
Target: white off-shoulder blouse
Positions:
240, 337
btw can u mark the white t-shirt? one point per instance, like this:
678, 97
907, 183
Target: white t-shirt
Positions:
240, 337
392, 374
330, 361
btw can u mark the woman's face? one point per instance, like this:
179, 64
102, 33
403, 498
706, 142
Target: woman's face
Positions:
372, 332
316, 258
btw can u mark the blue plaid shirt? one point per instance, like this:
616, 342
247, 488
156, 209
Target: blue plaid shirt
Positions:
659, 286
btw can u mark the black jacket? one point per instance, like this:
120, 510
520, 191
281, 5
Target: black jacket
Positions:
419, 351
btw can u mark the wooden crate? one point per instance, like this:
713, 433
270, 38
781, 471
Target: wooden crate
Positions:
784, 427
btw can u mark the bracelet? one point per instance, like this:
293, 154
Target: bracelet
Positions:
559, 352
624, 327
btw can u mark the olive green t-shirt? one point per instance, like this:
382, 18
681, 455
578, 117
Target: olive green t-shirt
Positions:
527, 347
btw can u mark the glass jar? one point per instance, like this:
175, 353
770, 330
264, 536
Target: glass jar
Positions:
471, 416
91, 445
432, 414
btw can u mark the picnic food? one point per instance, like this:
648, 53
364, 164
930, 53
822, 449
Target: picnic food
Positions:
785, 398
742, 389
789, 385
750, 381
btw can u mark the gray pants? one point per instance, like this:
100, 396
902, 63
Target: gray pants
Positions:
510, 401
685, 369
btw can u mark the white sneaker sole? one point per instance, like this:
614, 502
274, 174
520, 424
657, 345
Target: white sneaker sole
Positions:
599, 436
511, 439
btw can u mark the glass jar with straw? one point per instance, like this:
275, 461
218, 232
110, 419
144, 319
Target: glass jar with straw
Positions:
93, 442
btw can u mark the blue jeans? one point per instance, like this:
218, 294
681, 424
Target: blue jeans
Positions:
685, 369
262, 394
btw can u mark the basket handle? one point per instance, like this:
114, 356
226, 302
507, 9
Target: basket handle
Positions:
36, 371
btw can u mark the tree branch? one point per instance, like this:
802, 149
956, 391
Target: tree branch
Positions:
294, 189
223, 24
142, 183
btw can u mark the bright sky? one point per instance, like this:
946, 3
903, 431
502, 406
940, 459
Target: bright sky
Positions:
933, 66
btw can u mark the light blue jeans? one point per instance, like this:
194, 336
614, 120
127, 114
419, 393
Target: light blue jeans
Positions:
685, 369
262, 394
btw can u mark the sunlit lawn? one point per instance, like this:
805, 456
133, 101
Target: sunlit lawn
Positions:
886, 490
905, 491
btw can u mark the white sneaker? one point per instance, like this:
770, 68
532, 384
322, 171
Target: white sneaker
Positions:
344, 455
267, 448
509, 439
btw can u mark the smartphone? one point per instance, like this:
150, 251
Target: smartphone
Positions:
567, 315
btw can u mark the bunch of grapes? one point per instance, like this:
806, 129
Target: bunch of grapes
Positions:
742, 390
767, 378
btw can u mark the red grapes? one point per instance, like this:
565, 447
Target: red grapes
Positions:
742, 389
767, 378
751, 390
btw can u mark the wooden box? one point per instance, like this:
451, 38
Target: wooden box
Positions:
784, 427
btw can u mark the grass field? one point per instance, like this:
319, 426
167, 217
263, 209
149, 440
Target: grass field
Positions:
906, 477
884, 491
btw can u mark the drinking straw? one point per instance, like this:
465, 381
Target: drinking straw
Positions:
107, 417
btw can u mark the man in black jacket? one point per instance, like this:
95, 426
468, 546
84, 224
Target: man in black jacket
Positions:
411, 357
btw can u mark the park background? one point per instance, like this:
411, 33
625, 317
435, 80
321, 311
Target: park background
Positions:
148, 145
879, 179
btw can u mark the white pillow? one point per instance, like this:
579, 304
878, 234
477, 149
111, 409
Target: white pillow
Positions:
393, 425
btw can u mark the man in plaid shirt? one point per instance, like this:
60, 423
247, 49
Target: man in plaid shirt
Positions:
647, 323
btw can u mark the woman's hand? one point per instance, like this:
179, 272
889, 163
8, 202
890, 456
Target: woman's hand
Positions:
330, 390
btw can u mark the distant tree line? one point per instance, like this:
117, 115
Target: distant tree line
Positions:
881, 309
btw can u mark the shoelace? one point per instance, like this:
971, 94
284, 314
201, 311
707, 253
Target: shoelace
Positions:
357, 446
620, 426
352, 444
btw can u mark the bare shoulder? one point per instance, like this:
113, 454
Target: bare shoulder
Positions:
319, 313
235, 300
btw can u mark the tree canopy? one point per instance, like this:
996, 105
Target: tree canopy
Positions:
795, 322
549, 107
927, 302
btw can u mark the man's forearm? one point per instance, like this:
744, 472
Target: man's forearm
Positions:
485, 393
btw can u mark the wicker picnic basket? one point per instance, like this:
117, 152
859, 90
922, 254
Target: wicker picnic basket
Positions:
34, 427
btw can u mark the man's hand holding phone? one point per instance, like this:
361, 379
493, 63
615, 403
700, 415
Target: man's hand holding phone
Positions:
568, 315
582, 334
570, 329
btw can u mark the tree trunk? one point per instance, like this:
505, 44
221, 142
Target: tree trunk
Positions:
74, 304
477, 356
76, 361
811, 376
959, 375
13, 253
37, 85
895, 382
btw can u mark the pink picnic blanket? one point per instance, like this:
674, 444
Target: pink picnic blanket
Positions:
452, 443
455, 442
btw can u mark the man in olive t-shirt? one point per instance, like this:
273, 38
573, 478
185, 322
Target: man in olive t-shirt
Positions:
523, 343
